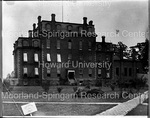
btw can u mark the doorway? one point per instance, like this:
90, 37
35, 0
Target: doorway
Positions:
71, 77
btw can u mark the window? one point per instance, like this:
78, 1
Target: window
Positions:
81, 57
80, 29
80, 45
35, 43
90, 29
58, 27
58, 72
69, 44
36, 71
137, 70
58, 58
99, 72
107, 75
70, 56
48, 57
58, 44
117, 71
25, 43
90, 57
107, 58
130, 71
69, 28
90, 46
90, 72
25, 71
48, 43
125, 71
36, 57
81, 73
48, 27
25, 57
19, 43
48, 72
99, 58
99, 47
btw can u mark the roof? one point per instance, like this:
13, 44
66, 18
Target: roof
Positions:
65, 22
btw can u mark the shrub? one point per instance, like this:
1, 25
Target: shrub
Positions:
6, 86
59, 89
45, 86
98, 83
75, 89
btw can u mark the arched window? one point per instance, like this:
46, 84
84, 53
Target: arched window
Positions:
25, 43
58, 27
35, 43
69, 44
19, 43
48, 27
48, 43
89, 29
80, 29
80, 45
69, 28
90, 45
58, 44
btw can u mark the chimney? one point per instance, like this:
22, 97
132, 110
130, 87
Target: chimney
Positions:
34, 27
103, 39
52, 17
90, 22
30, 33
84, 20
39, 19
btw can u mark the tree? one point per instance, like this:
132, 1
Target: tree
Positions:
140, 52
122, 51
144, 55
137, 83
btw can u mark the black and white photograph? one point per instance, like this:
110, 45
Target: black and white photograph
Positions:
75, 58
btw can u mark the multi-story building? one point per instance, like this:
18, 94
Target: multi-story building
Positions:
56, 50
63, 53
104, 54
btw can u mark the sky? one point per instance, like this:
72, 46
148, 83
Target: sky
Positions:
118, 20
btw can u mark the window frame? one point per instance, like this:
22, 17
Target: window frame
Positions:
59, 57
36, 71
25, 57
36, 59
58, 44
48, 57
80, 45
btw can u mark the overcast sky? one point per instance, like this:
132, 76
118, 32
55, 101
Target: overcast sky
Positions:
127, 17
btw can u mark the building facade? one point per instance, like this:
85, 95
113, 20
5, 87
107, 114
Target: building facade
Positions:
104, 58
55, 50
67, 53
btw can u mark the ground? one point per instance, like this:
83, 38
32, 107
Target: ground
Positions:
56, 106
140, 110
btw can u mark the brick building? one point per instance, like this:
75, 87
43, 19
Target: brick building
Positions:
126, 69
70, 46
104, 54
65, 53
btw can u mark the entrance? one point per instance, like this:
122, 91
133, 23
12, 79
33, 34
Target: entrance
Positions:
71, 77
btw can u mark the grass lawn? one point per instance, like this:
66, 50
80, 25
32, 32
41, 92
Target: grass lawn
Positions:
57, 109
53, 90
140, 110
11, 109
